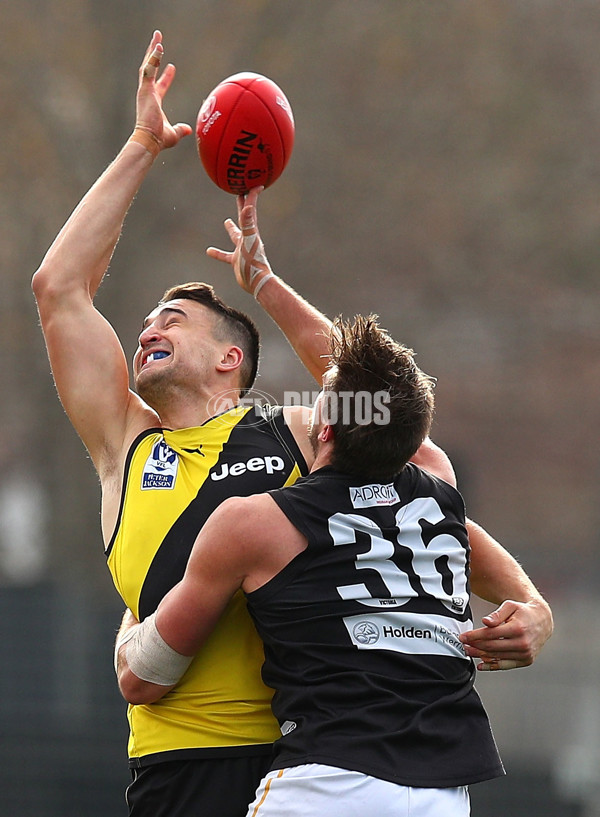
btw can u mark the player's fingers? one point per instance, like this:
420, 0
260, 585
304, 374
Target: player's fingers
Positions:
248, 227
156, 38
163, 83
182, 129
233, 230
152, 63
247, 218
492, 644
240, 201
506, 630
219, 255
247, 207
253, 194
499, 664
522, 656
472, 636
513, 649
501, 614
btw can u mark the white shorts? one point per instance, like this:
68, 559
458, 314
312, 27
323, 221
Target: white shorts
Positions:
314, 790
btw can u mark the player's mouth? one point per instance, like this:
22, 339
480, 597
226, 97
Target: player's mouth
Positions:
151, 357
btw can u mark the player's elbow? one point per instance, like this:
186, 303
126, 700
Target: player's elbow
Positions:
41, 280
138, 692
132, 687
44, 284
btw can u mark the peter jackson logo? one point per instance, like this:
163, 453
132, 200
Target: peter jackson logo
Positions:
160, 470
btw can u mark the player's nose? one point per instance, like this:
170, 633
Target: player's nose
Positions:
149, 335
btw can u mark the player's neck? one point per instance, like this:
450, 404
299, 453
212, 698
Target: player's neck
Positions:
195, 411
323, 456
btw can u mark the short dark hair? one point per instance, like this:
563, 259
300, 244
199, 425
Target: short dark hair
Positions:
231, 325
369, 360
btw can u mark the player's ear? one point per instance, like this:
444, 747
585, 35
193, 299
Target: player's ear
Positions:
326, 434
231, 359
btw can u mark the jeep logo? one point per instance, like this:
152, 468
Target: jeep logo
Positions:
269, 464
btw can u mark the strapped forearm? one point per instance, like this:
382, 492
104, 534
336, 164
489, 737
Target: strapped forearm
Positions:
149, 657
307, 330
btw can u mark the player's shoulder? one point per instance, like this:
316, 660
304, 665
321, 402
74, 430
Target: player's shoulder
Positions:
246, 511
424, 483
284, 421
251, 526
433, 459
297, 416
297, 419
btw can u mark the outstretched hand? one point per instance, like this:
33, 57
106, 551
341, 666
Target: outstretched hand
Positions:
512, 637
248, 259
152, 125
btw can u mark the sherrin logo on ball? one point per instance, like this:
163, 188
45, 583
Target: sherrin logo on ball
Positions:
245, 132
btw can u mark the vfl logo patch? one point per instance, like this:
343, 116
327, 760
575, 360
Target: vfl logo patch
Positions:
160, 470
371, 496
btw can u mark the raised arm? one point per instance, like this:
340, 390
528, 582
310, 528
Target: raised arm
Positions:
514, 633
87, 360
304, 326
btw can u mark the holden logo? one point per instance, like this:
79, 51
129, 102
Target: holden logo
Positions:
365, 632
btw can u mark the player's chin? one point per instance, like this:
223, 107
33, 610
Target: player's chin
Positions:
153, 368
150, 382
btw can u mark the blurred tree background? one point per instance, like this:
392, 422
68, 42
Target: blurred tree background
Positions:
445, 176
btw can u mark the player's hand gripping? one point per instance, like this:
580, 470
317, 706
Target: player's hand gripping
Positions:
152, 127
248, 259
512, 637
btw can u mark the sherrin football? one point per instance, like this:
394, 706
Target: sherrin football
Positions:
245, 133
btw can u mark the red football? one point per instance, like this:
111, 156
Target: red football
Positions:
245, 132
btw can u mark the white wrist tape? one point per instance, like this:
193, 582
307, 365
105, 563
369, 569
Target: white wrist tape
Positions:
150, 657
123, 639
262, 282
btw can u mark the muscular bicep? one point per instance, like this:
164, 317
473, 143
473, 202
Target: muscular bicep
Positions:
243, 544
91, 374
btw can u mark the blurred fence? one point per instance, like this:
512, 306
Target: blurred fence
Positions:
62, 722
